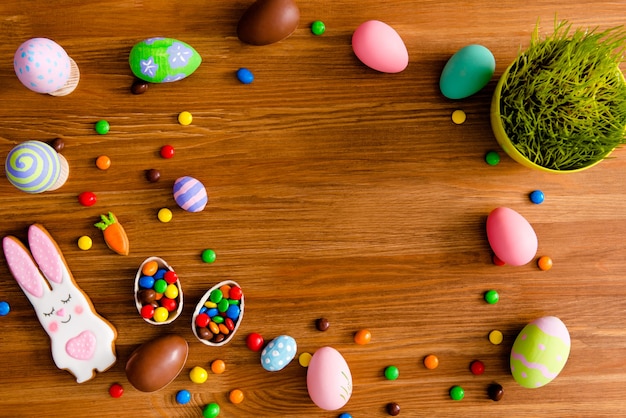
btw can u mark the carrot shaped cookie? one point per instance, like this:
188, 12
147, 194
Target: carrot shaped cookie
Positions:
114, 234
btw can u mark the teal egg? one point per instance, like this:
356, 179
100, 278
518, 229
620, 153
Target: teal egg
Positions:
163, 60
467, 72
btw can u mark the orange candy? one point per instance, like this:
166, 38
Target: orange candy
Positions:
431, 361
225, 291
363, 337
218, 366
103, 162
235, 396
544, 263
214, 328
150, 268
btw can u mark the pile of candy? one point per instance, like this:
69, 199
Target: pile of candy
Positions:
218, 314
158, 297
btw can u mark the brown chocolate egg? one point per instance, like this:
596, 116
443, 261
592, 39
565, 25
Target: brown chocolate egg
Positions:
156, 363
268, 21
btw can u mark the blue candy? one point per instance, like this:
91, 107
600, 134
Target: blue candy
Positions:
146, 282
245, 76
233, 312
5, 308
183, 396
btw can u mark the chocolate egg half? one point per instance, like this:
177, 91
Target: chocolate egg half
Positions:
156, 363
268, 21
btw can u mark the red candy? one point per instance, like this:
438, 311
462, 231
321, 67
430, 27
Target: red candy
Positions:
116, 390
202, 320
229, 324
477, 367
87, 198
235, 293
170, 277
147, 311
254, 341
167, 151
169, 304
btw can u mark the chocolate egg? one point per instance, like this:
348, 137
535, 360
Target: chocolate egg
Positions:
156, 363
268, 21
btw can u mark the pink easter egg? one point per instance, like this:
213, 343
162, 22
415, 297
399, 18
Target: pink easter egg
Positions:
328, 379
380, 47
512, 238
42, 65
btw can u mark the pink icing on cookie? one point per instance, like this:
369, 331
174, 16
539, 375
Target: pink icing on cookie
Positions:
53, 327
82, 347
45, 253
22, 267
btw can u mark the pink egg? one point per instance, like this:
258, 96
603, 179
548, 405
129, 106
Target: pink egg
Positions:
328, 379
42, 65
512, 238
380, 47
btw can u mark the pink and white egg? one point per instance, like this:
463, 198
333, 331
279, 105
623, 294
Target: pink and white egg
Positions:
328, 379
43, 66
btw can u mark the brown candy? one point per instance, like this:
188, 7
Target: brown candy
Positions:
218, 338
139, 87
154, 364
496, 392
153, 175
204, 333
393, 409
322, 324
146, 296
58, 144
268, 21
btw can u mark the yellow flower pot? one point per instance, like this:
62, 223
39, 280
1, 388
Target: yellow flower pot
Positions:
504, 140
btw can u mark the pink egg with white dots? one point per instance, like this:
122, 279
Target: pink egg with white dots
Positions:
42, 65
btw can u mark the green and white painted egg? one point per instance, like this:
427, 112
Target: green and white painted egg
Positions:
163, 60
540, 352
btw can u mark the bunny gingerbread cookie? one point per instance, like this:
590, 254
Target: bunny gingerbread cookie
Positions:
80, 339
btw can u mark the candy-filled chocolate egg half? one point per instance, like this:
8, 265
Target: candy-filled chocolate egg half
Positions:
218, 315
156, 363
268, 21
163, 60
158, 292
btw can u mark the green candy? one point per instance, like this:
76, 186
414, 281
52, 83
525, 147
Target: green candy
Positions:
163, 60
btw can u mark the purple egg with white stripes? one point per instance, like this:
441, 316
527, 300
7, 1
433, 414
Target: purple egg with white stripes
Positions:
190, 194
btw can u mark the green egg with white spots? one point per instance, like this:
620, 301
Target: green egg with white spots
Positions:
163, 60
540, 352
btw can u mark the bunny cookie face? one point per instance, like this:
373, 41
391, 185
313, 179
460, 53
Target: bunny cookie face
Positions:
81, 340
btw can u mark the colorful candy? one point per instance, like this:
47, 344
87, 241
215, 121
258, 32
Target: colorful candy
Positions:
496, 337
183, 396
198, 375
218, 314
477, 367
544, 263
459, 117
393, 409
102, 127
116, 390
85, 243
185, 118
212, 410
492, 158
495, 392
218, 366
362, 337
318, 27
254, 341
208, 256
431, 362
158, 293
492, 297
392, 373
245, 76
304, 359
35, 167
457, 393
103, 162
322, 324
167, 151
5, 308
536, 196
236, 396
87, 199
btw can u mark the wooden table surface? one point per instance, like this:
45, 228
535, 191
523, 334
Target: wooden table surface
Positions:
334, 191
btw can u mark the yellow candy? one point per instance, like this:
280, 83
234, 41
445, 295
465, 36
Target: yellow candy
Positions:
171, 291
198, 375
185, 118
495, 337
210, 304
305, 359
84, 243
150, 268
458, 117
165, 215
160, 314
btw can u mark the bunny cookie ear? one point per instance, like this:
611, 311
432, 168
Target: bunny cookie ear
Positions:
46, 253
23, 267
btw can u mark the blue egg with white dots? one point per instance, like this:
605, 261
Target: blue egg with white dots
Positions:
183, 396
5, 308
245, 76
278, 353
536, 196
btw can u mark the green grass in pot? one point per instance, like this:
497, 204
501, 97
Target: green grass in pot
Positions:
563, 104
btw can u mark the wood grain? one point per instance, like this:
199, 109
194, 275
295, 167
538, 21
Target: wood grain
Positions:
334, 191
